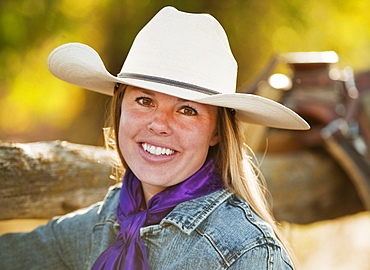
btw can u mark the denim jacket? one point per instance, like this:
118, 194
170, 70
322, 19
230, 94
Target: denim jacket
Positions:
217, 231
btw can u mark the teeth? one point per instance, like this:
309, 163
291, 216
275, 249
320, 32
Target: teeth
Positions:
157, 150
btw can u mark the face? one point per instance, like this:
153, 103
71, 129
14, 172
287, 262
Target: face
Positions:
164, 139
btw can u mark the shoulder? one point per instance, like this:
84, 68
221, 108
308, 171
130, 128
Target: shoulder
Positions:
221, 209
235, 214
91, 229
233, 228
239, 226
81, 224
250, 239
100, 211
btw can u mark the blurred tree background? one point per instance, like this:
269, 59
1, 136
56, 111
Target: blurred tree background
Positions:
35, 106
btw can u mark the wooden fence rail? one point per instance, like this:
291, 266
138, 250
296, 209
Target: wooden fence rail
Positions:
45, 179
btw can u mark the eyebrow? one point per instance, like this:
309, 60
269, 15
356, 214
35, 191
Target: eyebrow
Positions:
147, 92
184, 100
152, 93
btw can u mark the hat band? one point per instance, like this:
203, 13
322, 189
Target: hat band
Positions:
168, 82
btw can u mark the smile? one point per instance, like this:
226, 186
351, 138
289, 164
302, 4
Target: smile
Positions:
158, 151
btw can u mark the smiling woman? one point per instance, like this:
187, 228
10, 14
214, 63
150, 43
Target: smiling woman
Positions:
153, 122
190, 197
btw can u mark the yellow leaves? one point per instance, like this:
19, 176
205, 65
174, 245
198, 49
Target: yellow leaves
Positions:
80, 8
30, 29
36, 97
286, 39
31, 8
13, 27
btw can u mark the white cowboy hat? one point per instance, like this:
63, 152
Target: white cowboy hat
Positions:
180, 54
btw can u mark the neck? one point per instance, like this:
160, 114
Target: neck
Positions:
150, 190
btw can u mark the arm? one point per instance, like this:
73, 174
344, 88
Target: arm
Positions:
68, 242
38, 249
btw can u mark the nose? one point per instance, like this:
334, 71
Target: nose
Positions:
160, 123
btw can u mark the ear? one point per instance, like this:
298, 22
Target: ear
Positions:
215, 139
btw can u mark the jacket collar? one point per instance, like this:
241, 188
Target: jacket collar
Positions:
188, 215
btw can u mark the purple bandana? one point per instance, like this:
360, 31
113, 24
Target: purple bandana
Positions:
128, 251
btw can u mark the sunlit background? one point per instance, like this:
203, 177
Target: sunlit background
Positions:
35, 106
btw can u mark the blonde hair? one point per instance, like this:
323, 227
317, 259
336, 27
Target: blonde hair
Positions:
240, 174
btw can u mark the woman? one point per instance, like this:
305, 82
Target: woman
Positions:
190, 197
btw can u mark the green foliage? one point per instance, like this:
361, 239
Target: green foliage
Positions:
35, 105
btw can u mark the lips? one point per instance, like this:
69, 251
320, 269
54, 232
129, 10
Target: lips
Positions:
157, 151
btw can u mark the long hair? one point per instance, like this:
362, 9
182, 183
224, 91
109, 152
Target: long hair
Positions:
238, 170
240, 173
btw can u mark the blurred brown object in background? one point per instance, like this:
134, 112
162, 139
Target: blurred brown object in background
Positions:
329, 100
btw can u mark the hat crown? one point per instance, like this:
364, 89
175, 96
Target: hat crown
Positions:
186, 48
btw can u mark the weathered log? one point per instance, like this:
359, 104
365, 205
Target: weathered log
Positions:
308, 186
45, 179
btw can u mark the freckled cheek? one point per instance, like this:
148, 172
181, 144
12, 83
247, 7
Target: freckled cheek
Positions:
127, 128
195, 136
131, 119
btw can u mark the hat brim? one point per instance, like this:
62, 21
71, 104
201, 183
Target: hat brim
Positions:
81, 65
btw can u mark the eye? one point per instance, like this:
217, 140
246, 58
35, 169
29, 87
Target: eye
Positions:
144, 101
187, 110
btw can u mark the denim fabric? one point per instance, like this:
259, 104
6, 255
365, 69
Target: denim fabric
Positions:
217, 231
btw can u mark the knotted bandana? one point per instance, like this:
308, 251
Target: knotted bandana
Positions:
128, 251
